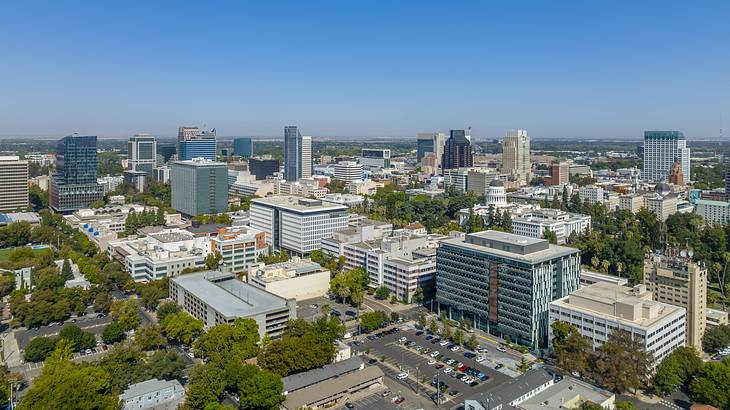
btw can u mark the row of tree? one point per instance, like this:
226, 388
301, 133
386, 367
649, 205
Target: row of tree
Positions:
137, 220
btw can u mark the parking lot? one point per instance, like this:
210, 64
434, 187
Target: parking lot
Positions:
312, 308
422, 368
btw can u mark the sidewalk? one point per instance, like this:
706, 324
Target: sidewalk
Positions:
11, 352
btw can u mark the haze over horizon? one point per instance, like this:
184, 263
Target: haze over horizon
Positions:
560, 70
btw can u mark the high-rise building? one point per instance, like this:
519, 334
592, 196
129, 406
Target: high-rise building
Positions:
13, 183
297, 154
503, 283
195, 143
296, 224
375, 158
142, 153
516, 154
262, 168
457, 152
425, 143
661, 150
679, 281
348, 171
243, 147
73, 185
199, 186
559, 174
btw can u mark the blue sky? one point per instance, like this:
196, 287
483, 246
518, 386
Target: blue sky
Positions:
557, 68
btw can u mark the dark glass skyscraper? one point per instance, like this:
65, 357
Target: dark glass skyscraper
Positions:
457, 152
425, 143
297, 154
73, 185
243, 147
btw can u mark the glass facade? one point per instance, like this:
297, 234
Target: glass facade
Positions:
424, 146
243, 147
73, 185
199, 148
457, 151
292, 153
502, 295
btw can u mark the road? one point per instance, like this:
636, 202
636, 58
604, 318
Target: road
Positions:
89, 323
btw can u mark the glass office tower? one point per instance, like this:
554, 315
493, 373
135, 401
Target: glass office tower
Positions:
73, 185
243, 147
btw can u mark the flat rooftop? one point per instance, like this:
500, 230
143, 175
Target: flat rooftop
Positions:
148, 386
511, 246
299, 204
170, 237
567, 392
228, 295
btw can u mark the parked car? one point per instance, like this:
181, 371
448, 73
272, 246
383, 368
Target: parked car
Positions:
444, 342
502, 349
480, 359
386, 393
432, 362
439, 365
455, 348
419, 333
402, 339
435, 353
448, 370
402, 376
349, 405
499, 366
400, 400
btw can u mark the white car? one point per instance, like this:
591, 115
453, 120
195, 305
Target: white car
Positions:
450, 362
482, 350
402, 339
448, 370
443, 343
191, 355
455, 348
481, 359
467, 380
435, 353
431, 362
501, 349
402, 376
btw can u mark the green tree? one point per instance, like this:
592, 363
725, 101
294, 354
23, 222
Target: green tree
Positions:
213, 260
676, 370
227, 342
80, 339
572, 350
113, 332
125, 312
458, 337
624, 405
418, 295
370, 321
166, 308
66, 385
205, 385
622, 363
181, 327
262, 390
382, 293
550, 236
39, 348
472, 342
165, 365
149, 337
421, 320
66, 271
102, 302
433, 327
716, 338
711, 385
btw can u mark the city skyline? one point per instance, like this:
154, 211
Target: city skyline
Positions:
566, 70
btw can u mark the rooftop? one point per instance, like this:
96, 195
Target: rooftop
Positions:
331, 387
511, 390
170, 237
308, 378
148, 386
286, 270
299, 204
511, 246
569, 393
228, 295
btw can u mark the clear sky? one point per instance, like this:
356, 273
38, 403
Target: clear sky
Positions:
557, 68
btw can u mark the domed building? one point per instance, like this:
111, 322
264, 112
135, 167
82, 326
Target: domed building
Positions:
496, 195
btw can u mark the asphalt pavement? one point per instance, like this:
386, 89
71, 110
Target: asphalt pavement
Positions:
89, 323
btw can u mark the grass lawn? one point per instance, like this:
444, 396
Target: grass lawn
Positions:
5, 253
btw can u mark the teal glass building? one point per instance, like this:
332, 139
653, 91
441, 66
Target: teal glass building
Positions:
503, 283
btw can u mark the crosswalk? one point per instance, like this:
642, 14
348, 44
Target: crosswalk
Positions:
670, 404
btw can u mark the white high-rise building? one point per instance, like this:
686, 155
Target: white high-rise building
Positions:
306, 157
661, 150
142, 153
13, 183
348, 171
516, 154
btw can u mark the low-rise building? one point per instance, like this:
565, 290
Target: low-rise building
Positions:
364, 187
297, 278
588, 278
716, 318
714, 212
404, 275
164, 254
102, 225
153, 394
563, 224
239, 246
349, 200
216, 297
591, 194
602, 308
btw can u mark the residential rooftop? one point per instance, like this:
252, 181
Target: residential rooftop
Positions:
308, 378
148, 386
228, 295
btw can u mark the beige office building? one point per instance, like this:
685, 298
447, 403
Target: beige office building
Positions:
516, 155
680, 282
13, 183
